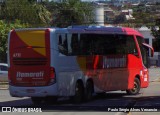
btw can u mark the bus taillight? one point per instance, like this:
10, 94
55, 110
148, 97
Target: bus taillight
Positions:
52, 76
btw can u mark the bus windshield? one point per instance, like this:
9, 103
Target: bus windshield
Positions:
144, 51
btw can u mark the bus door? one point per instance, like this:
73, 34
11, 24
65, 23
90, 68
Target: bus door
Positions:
117, 72
116, 61
112, 66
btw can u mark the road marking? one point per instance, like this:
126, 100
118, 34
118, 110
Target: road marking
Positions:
121, 113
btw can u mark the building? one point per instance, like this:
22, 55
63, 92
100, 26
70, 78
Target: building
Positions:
128, 14
146, 32
109, 15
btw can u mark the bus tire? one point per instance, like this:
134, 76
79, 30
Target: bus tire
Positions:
136, 88
79, 93
37, 100
89, 91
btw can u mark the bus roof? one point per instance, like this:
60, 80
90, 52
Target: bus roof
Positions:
90, 29
104, 29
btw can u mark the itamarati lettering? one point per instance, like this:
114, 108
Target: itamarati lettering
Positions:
30, 74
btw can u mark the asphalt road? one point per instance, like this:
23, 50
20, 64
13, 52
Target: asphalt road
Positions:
149, 99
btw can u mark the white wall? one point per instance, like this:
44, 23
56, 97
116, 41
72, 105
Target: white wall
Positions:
99, 15
146, 32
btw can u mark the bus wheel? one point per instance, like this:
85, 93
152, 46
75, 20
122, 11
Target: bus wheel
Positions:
89, 91
136, 88
50, 99
79, 93
37, 100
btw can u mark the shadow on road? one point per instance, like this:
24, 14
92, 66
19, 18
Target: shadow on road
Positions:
99, 103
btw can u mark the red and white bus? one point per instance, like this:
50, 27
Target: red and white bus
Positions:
48, 63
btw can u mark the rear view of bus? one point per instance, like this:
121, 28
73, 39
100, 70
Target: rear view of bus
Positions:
29, 62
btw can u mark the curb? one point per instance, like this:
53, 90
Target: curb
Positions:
4, 86
121, 113
156, 80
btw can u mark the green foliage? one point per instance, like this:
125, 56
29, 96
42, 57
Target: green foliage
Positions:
43, 15
4, 30
144, 18
26, 11
29, 13
72, 12
156, 34
20, 14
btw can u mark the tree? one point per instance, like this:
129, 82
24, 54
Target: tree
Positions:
4, 30
71, 12
156, 33
144, 18
27, 11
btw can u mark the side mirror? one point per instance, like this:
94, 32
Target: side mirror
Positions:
150, 47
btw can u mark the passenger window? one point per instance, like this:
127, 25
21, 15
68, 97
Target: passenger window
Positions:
104, 44
86, 43
63, 44
100, 44
80, 44
143, 50
131, 46
74, 44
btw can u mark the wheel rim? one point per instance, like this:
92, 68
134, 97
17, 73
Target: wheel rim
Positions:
135, 89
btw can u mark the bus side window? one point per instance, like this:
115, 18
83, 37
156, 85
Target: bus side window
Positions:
126, 45
143, 50
121, 45
103, 44
62, 44
108, 45
86, 44
131, 45
74, 44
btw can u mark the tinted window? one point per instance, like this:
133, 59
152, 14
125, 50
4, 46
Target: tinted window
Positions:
143, 50
3, 68
114, 44
99, 44
74, 44
62, 44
